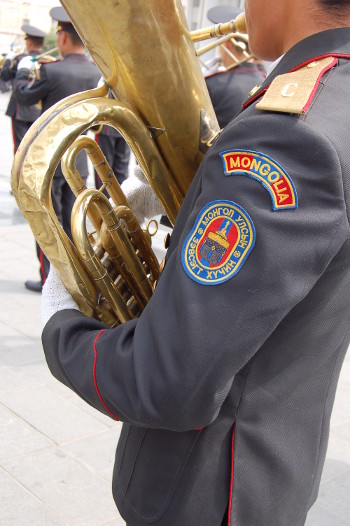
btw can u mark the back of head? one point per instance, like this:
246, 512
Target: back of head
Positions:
33, 36
221, 14
72, 42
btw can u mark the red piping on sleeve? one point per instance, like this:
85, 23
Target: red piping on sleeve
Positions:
231, 483
95, 378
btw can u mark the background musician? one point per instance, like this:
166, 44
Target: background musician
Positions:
22, 115
55, 81
229, 86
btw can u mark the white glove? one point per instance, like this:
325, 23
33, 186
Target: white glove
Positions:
26, 63
54, 297
10, 56
101, 83
141, 197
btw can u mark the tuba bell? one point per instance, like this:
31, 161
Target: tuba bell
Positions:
162, 108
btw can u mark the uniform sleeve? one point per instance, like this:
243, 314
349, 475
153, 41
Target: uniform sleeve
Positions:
174, 366
26, 91
7, 72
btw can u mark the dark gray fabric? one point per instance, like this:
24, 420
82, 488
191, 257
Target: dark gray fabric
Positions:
16, 110
72, 74
228, 90
261, 352
116, 151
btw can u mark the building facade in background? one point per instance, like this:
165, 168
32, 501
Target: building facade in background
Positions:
15, 13
196, 10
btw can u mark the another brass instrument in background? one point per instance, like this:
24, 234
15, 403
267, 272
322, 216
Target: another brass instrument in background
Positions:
145, 53
236, 34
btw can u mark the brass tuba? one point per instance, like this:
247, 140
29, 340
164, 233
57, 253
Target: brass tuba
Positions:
145, 53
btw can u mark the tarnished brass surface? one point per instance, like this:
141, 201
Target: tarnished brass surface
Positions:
145, 53
118, 239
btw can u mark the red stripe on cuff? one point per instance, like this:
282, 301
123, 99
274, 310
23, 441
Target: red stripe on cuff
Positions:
95, 378
231, 483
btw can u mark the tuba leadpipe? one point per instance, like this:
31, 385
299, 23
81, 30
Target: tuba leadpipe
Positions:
233, 26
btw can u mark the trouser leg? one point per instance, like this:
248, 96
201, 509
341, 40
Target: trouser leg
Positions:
19, 129
44, 264
121, 159
117, 153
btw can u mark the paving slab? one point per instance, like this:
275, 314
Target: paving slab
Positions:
20, 508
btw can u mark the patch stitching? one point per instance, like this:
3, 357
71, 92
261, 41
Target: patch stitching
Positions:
218, 219
271, 187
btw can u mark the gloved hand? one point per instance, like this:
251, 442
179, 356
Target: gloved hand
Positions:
141, 197
54, 297
26, 63
11, 56
101, 82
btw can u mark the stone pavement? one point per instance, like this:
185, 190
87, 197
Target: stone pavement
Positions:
56, 453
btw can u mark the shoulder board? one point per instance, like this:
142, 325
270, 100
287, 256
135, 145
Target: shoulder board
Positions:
293, 92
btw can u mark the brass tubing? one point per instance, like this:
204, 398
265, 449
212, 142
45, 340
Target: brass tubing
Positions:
238, 25
115, 37
104, 171
139, 239
107, 176
36, 160
138, 279
41, 123
47, 55
214, 44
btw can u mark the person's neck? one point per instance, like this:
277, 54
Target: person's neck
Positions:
73, 51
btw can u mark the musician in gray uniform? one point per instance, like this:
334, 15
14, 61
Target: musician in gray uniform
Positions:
22, 115
226, 381
229, 86
55, 81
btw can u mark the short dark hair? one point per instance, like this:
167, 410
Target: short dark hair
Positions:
37, 41
335, 3
75, 38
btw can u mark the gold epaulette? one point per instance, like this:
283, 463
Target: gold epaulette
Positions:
293, 92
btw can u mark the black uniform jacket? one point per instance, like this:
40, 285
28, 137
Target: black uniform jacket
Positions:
226, 381
229, 89
15, 109
72, 74
57, 80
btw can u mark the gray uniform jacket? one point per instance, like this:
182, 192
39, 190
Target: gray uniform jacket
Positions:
227, 380
229, 89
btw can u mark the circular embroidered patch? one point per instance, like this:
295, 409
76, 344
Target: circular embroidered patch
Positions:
218, 244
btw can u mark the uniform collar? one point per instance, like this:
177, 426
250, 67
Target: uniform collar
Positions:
75, 56
333, 42
242, 67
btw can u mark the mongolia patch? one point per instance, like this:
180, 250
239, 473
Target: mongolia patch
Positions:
218, 244
265, 170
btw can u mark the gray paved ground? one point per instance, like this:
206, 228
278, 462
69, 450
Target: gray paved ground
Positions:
56, 453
